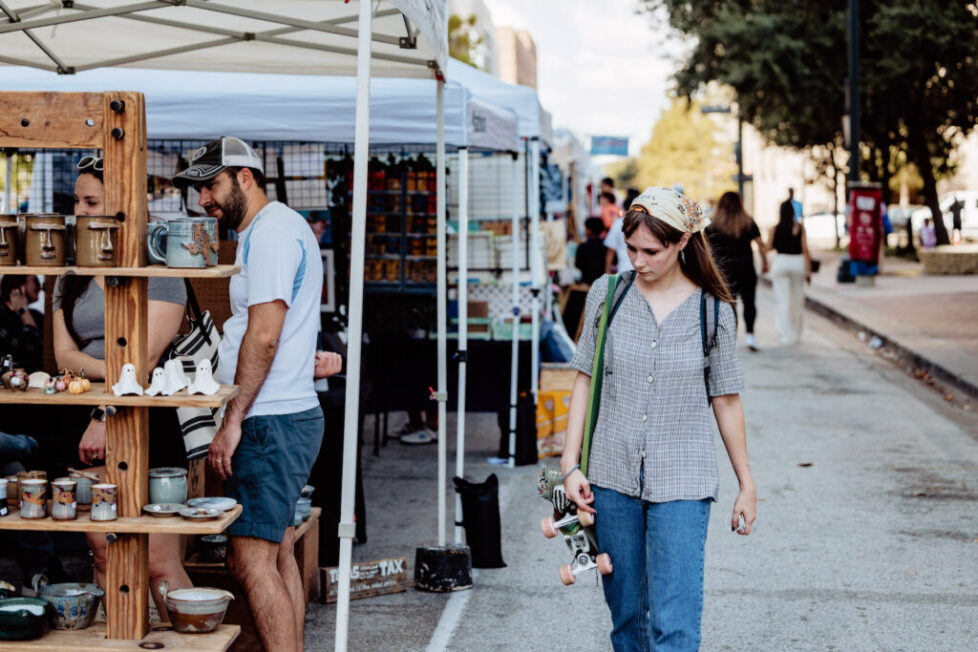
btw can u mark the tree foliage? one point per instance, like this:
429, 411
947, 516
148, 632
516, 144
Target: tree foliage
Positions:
463, 40
787, 62
684, 148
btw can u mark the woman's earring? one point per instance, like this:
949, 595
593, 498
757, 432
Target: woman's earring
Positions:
682, 256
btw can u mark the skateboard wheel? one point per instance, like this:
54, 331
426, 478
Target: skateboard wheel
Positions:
604, 563
548, 528
566, 576
586, 519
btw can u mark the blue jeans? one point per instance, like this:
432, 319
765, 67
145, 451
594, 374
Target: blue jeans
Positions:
656, 590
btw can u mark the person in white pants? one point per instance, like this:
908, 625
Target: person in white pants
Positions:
792, 268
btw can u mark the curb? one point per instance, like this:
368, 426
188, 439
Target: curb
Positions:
902, 353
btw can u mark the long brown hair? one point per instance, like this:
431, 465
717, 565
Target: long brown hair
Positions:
697, 261
730, 216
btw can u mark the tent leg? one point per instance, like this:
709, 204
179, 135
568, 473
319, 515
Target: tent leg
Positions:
463, 324
347, 527
514, 364
442, 310
537, 274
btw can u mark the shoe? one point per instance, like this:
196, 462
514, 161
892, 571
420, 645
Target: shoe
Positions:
407, 428
751, 342
423, 435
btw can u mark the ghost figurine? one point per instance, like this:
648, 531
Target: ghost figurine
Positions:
204, 382
157, 384
127, 382
173, 377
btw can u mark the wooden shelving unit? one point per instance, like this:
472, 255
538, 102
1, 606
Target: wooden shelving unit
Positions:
114, 122
98, 396
217, 271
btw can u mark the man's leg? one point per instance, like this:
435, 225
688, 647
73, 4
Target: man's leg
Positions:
253, 563
289, 570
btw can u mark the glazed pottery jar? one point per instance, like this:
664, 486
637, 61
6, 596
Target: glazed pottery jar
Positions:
96, 241
83, 492
33, 498
9, 240
104, 502
168, 485
45, 239
186, 242
63, 504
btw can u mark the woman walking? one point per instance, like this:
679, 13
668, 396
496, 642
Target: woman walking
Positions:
731, 235
792, 268
652, 471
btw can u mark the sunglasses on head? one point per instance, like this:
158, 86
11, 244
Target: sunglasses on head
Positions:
94, 162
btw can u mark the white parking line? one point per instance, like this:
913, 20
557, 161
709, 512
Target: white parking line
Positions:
450, 618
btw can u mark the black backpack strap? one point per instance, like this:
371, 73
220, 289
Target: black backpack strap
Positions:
709, 317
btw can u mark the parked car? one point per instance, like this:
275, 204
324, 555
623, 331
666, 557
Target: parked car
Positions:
969, 212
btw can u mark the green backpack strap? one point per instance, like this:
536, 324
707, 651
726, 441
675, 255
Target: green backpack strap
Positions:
597, 374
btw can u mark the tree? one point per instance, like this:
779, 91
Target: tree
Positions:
787, 64
463, 40
684, 149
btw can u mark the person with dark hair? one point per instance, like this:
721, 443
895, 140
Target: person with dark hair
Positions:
630, 195
272, 430
590, 255
609, 209
792, 268
607, 185
21, 329
731, 235
652, 472
79, 343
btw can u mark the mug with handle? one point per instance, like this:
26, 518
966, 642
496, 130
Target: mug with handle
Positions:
184, 242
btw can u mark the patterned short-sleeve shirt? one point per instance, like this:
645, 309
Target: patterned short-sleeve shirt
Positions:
653, 409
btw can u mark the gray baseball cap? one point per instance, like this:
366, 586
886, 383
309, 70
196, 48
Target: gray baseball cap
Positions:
216, 156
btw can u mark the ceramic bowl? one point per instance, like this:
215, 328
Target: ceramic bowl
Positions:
201, 513
217, 502
73, 605
197, 610
23, 619
163, 509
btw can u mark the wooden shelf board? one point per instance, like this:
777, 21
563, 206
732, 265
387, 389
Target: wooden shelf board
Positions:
93, 638
98, 396
127, 525
217, 271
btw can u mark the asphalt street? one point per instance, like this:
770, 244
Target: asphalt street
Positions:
866, 537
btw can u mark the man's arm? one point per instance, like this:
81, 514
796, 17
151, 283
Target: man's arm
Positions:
257, 352
258, 347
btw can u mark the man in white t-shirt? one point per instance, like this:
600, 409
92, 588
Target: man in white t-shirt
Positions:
615, 242
272, 429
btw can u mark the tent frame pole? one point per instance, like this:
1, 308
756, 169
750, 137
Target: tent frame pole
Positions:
515, 354
463, 325
347, 528
536, 273
441, 396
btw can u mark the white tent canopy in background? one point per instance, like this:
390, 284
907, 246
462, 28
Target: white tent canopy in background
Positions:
291, 36
201, 105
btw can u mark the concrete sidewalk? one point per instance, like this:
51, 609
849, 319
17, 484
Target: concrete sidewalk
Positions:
926, 321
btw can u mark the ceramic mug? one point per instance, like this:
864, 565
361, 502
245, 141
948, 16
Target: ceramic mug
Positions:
44, 239
83, 492
186, 242
96, 240
63, 503
33, 498
9, 240
104, 502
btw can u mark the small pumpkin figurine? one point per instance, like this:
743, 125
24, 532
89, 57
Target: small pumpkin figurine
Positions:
61, 384
75, 386
86, 383
19, 380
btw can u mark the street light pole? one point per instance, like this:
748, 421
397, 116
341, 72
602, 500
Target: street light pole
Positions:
853, 95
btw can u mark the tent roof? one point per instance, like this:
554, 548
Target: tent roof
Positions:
194, 105
301, 36
534, 121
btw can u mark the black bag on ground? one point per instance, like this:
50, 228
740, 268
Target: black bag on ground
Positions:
480, 518
526, 432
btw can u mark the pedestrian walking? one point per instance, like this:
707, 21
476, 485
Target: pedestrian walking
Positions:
731, 236
652, 472
590, 256
792, 268
272, 430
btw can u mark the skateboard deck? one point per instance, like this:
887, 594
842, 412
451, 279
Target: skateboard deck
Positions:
576, 528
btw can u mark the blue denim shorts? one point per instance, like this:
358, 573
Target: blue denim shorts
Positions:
270, 466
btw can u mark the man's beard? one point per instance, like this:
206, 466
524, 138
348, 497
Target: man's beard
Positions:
234, 209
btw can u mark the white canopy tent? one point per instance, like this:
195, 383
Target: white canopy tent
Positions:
410, 41
259, 106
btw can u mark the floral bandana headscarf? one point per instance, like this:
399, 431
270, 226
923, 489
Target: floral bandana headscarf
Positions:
672, 207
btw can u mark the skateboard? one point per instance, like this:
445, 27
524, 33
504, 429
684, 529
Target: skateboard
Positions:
577, 528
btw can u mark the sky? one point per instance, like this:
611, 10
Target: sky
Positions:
602, 69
